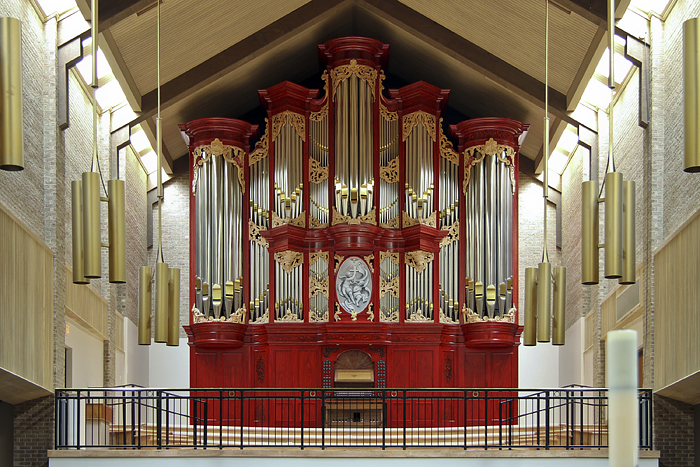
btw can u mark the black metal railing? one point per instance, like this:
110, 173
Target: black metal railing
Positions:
133, 417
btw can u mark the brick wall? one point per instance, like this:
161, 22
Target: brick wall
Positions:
136, 212
571, 238
34, 429
673, 432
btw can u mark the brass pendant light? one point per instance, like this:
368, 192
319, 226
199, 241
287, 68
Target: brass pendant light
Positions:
87, 243
691, 89
11, 128
167, 280
541, 281
619, 199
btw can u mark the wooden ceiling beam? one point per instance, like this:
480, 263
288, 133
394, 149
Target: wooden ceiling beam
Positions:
455, 46
237, 55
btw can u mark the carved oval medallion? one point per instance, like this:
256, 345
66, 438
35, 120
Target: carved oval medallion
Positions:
353, 285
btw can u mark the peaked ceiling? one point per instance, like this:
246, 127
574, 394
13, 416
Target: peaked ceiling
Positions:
490, 53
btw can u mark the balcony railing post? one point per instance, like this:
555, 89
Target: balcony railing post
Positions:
465, 418
77, 421
384, 415
403, 397
194, 422
302, 419
221, 419
500, 425
546, 419
568, 404
205, 425
486, 420
159, 422
323, 419
240, 392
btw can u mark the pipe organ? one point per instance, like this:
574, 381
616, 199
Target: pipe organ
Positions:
353, 224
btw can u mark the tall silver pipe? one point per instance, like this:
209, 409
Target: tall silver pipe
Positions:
205, 219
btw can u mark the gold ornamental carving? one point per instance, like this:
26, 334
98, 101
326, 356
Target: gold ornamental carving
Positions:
475, 154
238, 316
389, 287
369, 259
388, 116
289, 317
317, 173
299, 221
288, 117
447, 151
417, 317
262, 319
317, 224
261, 147
343, 72
232, 154
392, 224
338, 260
470, 316
390, 173
315, 318
370, 312
369, 218
336, 315
444, 319
411, 120
419, 260
321, 114
313, 257
452, 234
393, 317
316, 287
394, 257
430, 221
289, 259
254, 234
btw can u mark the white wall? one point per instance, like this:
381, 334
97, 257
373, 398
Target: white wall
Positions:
571, 355
88, 351
169, 366
538, 366
136, 356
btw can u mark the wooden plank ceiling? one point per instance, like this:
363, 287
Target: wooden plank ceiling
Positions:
490, 53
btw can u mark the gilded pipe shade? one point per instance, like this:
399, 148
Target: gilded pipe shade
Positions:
629, 253
92, 243
11, 114
144, 329
161, 304
559, 308
589, 233
613, 225
691, 96
174, 307
117, 232
530, 332
77, 223
544, 304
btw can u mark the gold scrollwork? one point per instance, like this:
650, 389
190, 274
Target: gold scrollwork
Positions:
389, 287
262, 319
413, 119
254, 234
444, 319
316, 287
470, 316
447, 151
475, 154
369, 218
392, 318
317, 224
417, 317
390, 173
288, 117
369, 259
388, 116
317, 173
261, 147
370, 312
452, 234
418, 259
408, 221
289, 317
238, 316
338, 260
232, 154
313, 257
314, 318
289, 259
336, 315
299, 221
394, 257
430, 221
343, 72
392, 224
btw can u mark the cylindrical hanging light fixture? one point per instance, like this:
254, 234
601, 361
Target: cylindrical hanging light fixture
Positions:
559, 308
11, 113
117, 231
161, 303
92, 244
629, 253
144, 305
544, 304
589, 233
77, 234
530, 332
613, 225
174, 308
691, 93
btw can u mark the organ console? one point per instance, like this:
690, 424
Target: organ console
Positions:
353, 224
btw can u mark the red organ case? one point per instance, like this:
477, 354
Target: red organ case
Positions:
353, 233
